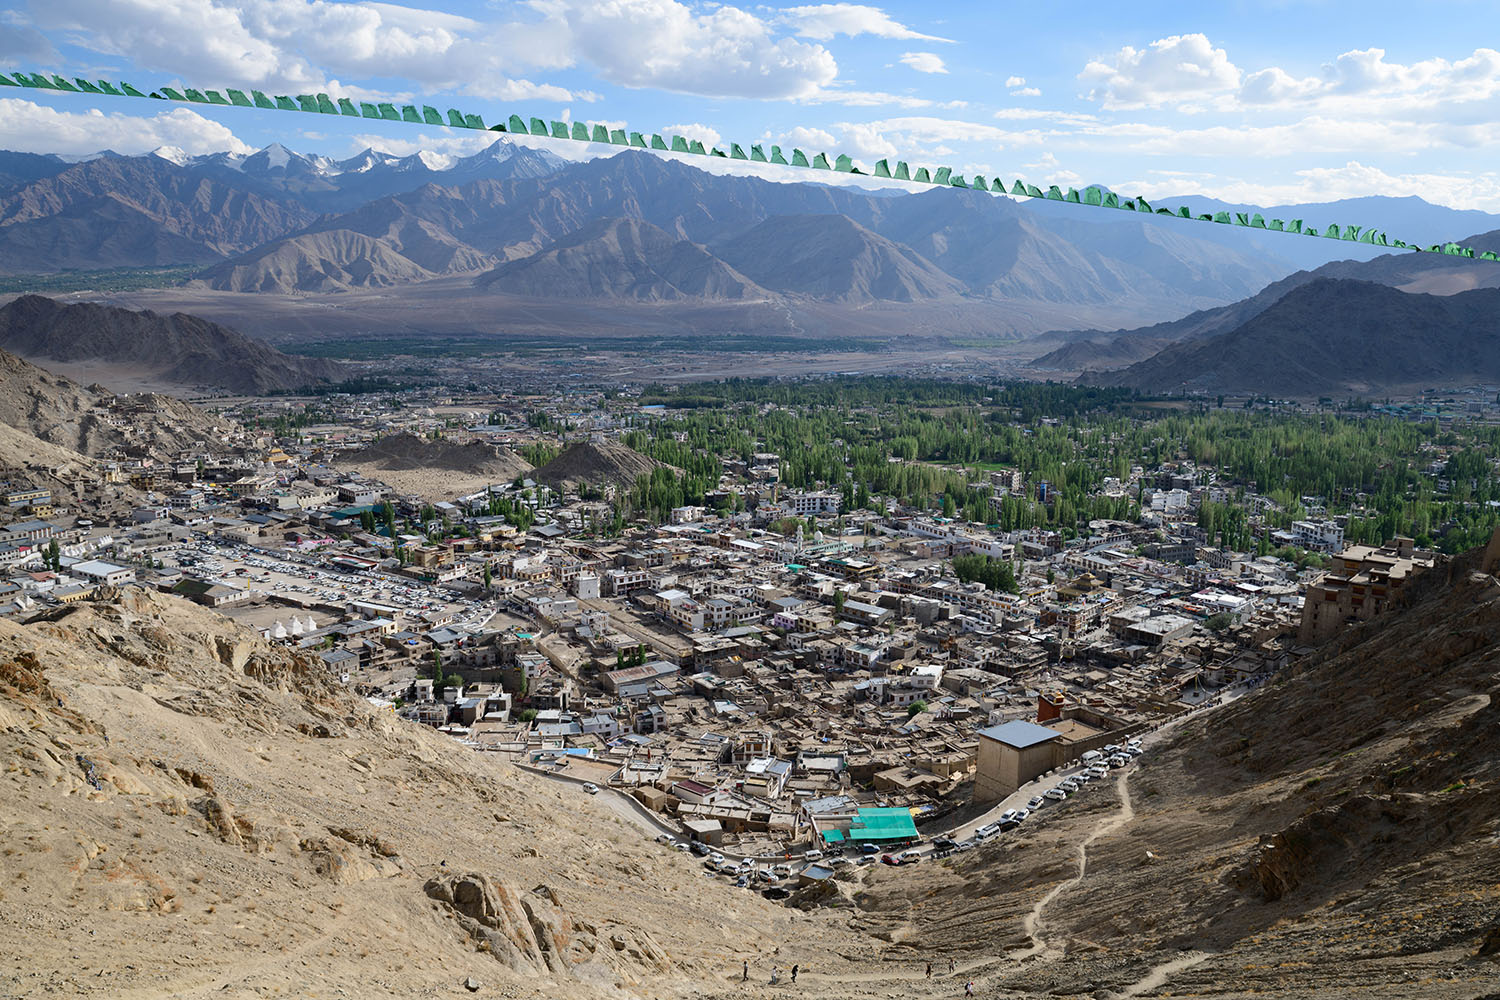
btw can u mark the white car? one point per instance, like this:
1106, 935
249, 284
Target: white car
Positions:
1055, 794
813, 855
591, 788
1036, 802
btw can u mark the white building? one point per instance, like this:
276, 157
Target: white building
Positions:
804, 504
103, 573
1325, 536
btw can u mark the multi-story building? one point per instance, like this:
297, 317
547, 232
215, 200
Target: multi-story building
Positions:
1362, 583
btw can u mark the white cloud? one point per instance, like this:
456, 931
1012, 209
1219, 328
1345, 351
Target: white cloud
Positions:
1188, 72
923, 62
1036, 114
1362, 80
664, 44
708, 136
824, 21
294, 46
876, 98
1174, 69
1353, 180
814, 139
1304, 137
1026, 92
866, 140
1015, 81
30, 127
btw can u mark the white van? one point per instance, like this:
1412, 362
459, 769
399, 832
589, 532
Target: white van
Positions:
1091, 756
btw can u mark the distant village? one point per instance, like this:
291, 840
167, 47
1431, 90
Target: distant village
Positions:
779, 670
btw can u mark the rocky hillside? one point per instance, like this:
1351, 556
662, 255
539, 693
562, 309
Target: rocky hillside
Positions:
622, 258
608, 464
190, 812
92, 421
180, 349
1335, 337
133, 212
836, 259
1430, 273
1348, 810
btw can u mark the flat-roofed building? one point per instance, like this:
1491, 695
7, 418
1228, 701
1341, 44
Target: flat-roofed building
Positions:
1010, 755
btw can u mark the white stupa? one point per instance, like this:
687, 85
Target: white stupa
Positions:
278, 631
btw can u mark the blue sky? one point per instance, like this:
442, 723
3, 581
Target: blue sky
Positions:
1261, 102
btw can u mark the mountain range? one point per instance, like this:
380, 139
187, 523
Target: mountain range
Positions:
278, 222
1348, 326
1334, 336
487, 236
180, 349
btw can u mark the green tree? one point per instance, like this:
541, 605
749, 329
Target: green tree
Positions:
915, 708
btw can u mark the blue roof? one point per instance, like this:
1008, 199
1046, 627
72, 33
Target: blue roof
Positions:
1020, 734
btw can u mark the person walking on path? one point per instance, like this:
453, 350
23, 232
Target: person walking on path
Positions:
952, 967
929, 970
794, 973
745, 976
969, 988
775, 975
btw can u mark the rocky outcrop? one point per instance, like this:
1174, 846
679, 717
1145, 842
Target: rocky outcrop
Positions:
531, 930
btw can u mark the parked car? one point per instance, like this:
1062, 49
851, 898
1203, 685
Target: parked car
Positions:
1055, 794
868, 849
700, 849
681, 845
889, 859
966, 845
591, 788
908, 857
662, 838
1035, 803
943, 843
987, 831
766, 875
813, 855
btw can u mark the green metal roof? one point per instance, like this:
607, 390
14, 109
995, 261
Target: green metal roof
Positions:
883, 824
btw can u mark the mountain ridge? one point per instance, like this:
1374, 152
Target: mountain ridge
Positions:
179, 348
1334, 336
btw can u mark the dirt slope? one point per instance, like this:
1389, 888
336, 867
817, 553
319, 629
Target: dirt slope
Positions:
438, 470
189, 812
595, 463
1330, 832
